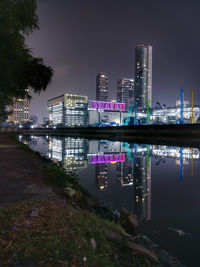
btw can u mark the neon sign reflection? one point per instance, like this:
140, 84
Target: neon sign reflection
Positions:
106, 158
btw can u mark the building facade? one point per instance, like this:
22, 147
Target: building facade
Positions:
105, 113
68, 110
102, 87
143, 76
125, 91
20, 110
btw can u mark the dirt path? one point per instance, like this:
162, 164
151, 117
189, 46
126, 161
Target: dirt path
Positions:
20, 177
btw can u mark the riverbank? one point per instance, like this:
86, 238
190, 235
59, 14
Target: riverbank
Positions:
43, 223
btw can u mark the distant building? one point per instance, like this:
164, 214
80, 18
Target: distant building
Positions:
185, 103
102, 87
45, 120
20, 109
69, 110
143, 76
125, 91
34, 119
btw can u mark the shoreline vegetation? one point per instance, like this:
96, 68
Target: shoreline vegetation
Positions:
67, 228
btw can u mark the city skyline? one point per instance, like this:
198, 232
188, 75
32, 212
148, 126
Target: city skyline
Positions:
78, 44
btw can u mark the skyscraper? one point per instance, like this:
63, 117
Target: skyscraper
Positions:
125, 91
102, 87
143, 76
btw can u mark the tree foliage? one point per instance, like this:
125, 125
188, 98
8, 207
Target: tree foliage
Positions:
18, 68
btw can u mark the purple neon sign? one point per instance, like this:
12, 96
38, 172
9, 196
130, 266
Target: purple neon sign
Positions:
106, 158
107, 105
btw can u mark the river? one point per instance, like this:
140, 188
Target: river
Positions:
160, 184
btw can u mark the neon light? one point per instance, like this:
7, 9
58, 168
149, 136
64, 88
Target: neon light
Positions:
107, 158
107, 105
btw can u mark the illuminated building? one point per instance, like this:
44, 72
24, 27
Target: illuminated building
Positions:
172, 114
143, 76
101, 112
69, 110
185, 102
102, 87
125, 91
20, 109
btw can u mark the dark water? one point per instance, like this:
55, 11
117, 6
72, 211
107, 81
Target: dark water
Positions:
160, 184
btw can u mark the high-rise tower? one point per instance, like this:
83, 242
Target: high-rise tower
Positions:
143, 76
125, 91
102, 87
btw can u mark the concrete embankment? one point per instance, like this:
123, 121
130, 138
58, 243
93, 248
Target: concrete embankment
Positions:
182, 135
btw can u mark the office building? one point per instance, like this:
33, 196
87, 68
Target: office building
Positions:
143, 76
102, 87
68, 110
125, 91
20, 109
34, 119
106, 113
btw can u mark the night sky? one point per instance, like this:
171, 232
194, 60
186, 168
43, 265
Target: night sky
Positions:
80, 38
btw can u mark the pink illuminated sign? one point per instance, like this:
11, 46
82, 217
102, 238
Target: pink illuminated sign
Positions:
108, 105
106, 158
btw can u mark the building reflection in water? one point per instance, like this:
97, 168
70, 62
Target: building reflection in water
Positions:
133, 163
142, 186
71, 151
101, 174
133, 168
